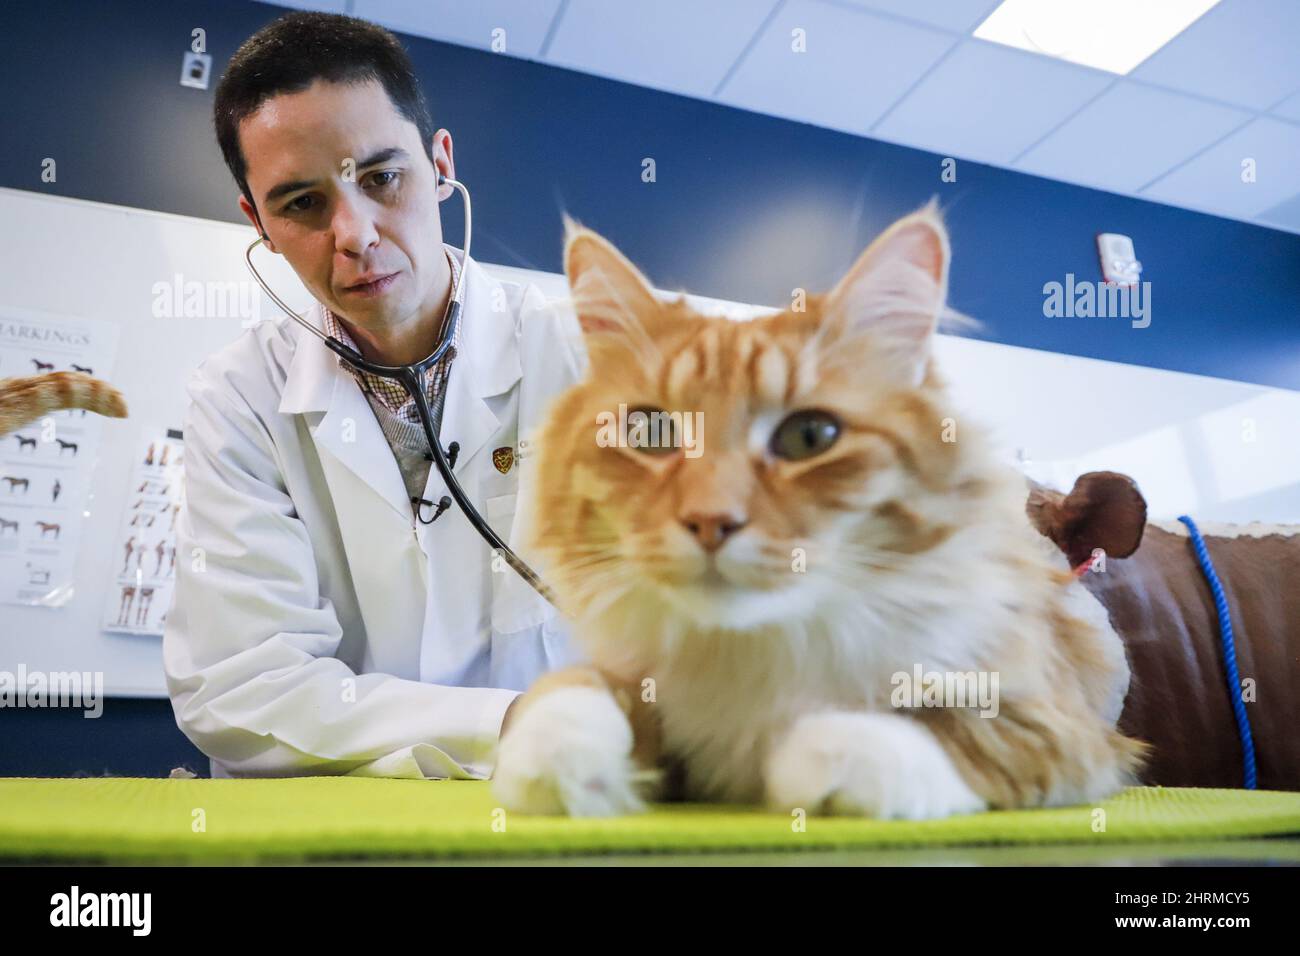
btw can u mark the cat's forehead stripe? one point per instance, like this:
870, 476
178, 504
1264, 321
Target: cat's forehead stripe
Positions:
709, 347
770, 374
683, 368
804, 378
744, 350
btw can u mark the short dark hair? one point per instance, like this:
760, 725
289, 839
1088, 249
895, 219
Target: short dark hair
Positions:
288, 55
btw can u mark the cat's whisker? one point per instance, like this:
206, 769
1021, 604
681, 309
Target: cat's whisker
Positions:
583, 572
595, 592
588, 553
592, 544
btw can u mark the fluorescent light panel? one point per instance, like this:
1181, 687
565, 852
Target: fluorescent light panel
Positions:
1110, 35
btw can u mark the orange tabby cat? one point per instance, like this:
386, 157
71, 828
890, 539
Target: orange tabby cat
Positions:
764, 603
23, 400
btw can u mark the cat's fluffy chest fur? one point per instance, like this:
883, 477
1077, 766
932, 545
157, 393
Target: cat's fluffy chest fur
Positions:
724, 698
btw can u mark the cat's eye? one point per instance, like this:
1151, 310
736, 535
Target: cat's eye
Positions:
804, 434
653, 434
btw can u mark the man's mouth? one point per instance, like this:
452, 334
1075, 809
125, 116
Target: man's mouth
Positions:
376, 285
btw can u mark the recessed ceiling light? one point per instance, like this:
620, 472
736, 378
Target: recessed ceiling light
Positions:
1111, 35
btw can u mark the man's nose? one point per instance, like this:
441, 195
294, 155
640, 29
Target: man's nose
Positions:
354, 229
712, 529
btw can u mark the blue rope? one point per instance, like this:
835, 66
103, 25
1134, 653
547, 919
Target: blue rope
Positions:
1229, 650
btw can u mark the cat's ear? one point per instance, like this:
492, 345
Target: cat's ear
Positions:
896, 291
611, 297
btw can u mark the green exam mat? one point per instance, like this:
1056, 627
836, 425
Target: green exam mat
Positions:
307, 818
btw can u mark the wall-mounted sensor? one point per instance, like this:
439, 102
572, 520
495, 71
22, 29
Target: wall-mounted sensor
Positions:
1119, 262
195, 70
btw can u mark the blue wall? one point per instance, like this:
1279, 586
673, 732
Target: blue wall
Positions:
745, 207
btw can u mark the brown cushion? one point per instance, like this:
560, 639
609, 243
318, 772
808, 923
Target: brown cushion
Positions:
1179, 699
1162, 607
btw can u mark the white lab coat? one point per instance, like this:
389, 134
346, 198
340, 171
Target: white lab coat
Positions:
316, 628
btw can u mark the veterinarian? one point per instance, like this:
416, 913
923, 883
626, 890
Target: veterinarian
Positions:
328, 616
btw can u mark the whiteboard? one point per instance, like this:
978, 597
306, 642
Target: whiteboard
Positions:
1218, 449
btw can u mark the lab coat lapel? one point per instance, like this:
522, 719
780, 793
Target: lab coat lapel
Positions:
458, 612
374, 515
488, 365
349, 430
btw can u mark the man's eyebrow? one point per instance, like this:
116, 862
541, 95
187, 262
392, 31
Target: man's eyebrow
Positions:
383, 156
275, 192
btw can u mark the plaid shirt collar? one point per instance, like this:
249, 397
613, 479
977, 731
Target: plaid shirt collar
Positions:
389, 393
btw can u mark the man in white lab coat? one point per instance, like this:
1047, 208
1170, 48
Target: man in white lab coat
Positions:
318, 625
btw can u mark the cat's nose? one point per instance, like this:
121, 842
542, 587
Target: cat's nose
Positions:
712, 530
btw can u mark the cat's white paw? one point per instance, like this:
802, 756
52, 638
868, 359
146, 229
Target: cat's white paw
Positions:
876, 765
568, 753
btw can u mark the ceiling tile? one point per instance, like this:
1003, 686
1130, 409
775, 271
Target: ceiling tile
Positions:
525, 22
960, 16
1128, 136
1285, 215
989, 102
915, 65
682, 46
855, 66
1289, 108
1241, 51
1213, 180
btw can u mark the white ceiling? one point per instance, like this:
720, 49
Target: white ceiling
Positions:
1176, 130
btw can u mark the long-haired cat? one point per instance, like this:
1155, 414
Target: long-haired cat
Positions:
24, 400
771, 616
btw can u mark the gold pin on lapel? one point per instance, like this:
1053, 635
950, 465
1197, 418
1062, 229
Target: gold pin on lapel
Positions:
503, 458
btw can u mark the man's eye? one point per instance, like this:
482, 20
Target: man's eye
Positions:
804, 434
294, 205
385, 182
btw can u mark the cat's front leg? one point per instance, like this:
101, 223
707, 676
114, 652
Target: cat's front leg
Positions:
878, 765
568, 751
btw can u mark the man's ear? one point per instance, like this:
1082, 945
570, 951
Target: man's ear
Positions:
1104, 510
441, 147
896, 291
251, 214
612, 299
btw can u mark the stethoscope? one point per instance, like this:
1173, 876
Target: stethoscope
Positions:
411, 378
